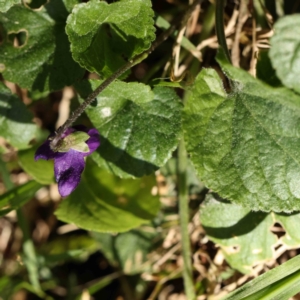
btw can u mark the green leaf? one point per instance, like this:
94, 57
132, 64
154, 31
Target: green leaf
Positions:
139, 128
128, 250
232, 227
40, 170
15, 120
290, 223
265, 71
9, 286
245, 145
38, 57
157, 82
280, 283
103, 202
285, 50
5, 5
66, 248
104, 36
18, 196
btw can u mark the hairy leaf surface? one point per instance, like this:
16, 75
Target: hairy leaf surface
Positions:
35, 52
139, 127
245, 145
103, 36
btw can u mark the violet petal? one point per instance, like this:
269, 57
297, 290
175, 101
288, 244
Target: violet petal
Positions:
94, 141
44, 152
68, 167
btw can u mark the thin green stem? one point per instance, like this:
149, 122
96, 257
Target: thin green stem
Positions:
184, 221
126, 288
29, 256
220, 27
5, 176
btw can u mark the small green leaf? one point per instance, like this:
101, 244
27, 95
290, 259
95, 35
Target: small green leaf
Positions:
102, 34
17, 197
15, 120
66, 248
10, 285
245, 145
232, 227
103, 202
139, 128
5, 5
40, 170
75, 141
37, 57
285, 51
128, 250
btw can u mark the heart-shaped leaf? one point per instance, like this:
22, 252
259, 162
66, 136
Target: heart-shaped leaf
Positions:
103, 202
102, 34
139, 127
245, 145
37, 57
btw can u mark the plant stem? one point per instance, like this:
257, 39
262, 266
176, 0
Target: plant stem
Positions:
29, 255
30, 260
137, 59
220, 27
184, 221
5, 176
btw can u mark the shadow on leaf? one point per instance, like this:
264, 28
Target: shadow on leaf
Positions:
123, 160
12, 108
243, 226
60, 70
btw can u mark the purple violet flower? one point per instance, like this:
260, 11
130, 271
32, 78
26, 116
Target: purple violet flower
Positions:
69, 157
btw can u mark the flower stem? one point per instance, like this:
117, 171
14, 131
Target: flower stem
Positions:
184, 221
29, 255
137, 59
220, 27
